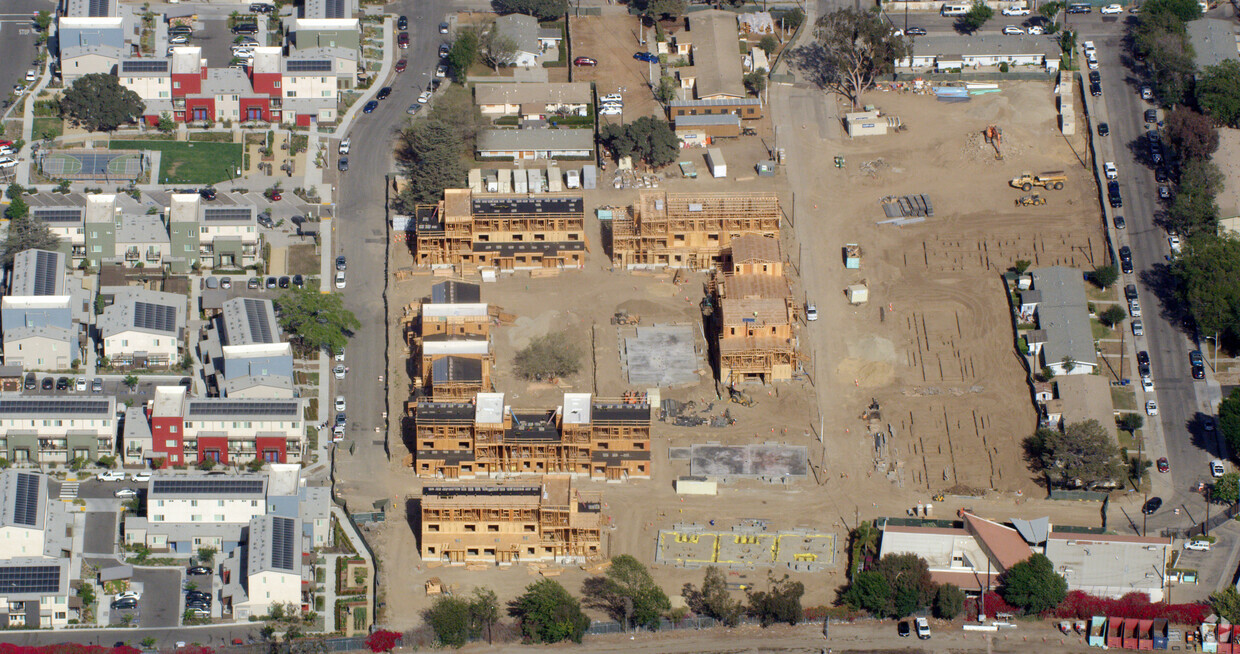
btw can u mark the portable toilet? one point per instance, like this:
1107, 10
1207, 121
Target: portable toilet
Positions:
1098, 631
1115, 633
1145, 634
858, 294
1159, 633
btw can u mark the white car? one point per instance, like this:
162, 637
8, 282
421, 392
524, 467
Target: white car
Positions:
811, 312
141, 476
1134, 307
340, 403
1092, 63
424, 97
125, 492
1012, 30
1174, 242
1138, 328
344, 146
611, 97
339, 279
80, 384
1088, 47
1198, 545
1216, 468
111, 475
611, 111
178, 39
1037, 29
7, 162
1147, 93
1112, 9
1015, 11
340, 355
1151, 408
129, 594
32, 75
1110, 170
1147, 385
441, 71
338, 371
337, 433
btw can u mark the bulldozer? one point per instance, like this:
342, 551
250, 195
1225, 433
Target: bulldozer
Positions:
739, 397
625, 318
1034, 200
1053, 179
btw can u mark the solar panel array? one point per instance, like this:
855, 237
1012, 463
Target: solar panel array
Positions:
191, 486
30, 579
492, 206
57, 406
98, 8
144, 66
46, 271
283, 543
26, 501
227, 213
58, 215
256, 314
244, 409
335, 9
308, 66
159, 317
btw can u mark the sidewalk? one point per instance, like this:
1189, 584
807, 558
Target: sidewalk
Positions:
389, 46
24, 159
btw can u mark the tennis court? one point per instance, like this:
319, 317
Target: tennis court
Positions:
92, 164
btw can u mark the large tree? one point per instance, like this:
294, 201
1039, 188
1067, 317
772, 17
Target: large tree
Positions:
660, 9
648, 138
1082, 453
781, 602
1226, 489
628, 593
1229, 419
978, 14
713, 598
1162, 40
449, 618
540, 9
1218, 92
429, 154
99, 103
548, 613
851, 48
869, 591
1191, 134
1185, 10
317, 320
484, 610
948, 601
463, 54
1226, 603
25, 232
1033, 585
1208, 272
908, 577
1193, 212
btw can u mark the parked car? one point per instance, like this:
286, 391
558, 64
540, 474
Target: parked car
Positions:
1198, 545
32, 382
1095, 90
342, 164
384, 93
1217, 469
254, 282
125, 492
261, 8
299, 281
225, 282
96, 386
370, 107
198, 570
129, 594
339, 371
444, 49
1164, 192
441, 71
585, 61
646, 56
1199, 372
340, 282
271, 282
1015, 11
141, 476
245, 28
401, 65
424, 97
340, 403
126, 603
1112, 9
62, 384
413, 109
402, 40
1151, 115
1138, 328
1012, 30
341, 263
48, 383
443, 28
1119, 222
1152, 505
285, 282
1110, 171
111, 475
1147, 93
1103, 129
915, 31
903, 629
402, 23
923, 628
1160, 175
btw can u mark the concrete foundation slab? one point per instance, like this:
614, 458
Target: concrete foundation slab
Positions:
662, 355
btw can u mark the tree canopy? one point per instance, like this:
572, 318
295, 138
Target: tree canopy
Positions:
870, 592
628, 593
648, 138
780, 602
851, 49
1218, 92
540, 9
99, 103
978, 14
25, 232
1104, 276
660, 9
496, 49
1229, 419
463, 54
1083, 452
317, 320
898, 585
1192, 134
948, 601
1226, 603
449, 618
1208, 272
1033, 585
1185, 10
549, 614
1226, 488
713, 599
1159, 36
428, 153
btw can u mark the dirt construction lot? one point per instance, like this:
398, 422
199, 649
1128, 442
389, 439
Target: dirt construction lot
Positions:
612, 40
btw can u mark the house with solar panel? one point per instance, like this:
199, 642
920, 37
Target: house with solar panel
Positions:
211, 235
91, 37
179, 430
36, 593
186, 514
269, 572
41, 430
244, 355
140, 328
23, 513
41, 316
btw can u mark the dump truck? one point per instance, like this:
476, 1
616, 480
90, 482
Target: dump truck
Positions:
1031, 201
1053, 179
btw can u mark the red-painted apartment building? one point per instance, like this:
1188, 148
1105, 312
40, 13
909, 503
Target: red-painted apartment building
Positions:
175, 429
271, 88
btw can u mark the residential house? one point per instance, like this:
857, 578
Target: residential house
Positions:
49, 429
40, 329
1064, 341
23, 514
535, 144
244, 355
289, 495
186, 514
271, 572
36, 593
530, 40
944, 52
508, 232
534, 100
90, 44
140, 328
716, 72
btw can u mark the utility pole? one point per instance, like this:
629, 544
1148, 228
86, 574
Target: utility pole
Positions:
1205, 526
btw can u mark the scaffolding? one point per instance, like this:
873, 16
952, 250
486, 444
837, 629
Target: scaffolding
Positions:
690, 230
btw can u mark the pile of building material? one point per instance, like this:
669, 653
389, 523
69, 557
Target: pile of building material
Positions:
908, 206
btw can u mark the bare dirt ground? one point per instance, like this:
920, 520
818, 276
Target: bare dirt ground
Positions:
612, 40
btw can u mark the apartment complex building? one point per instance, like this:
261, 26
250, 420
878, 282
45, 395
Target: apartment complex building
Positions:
452, 343
510, 522
41, 316
270, 573
689, 230
508, 232
188, 233
179, 430
36, 593
23, 513
753, 313
244, 355
56, 429
140, 328
185, 514
606, 439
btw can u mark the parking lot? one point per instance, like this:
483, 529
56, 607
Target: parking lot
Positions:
612, 40
159, 604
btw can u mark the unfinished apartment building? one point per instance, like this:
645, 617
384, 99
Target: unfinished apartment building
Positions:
451, 344
507, 232
605, 439
510, 522
753, 313
689, 230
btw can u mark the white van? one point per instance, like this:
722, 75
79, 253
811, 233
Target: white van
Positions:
953, 9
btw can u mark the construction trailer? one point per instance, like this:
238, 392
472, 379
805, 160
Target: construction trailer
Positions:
511, 522
606, 439
715, 162
689, 230
507, 232
754, 313
869, 123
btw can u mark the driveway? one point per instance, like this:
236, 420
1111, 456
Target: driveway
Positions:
101, 533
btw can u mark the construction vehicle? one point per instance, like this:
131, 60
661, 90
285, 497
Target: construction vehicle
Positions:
1053, 179
739, 397
625, 318
1034, 200
994, 136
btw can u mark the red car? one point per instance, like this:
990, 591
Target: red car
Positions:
5, 143
585, 61
1163, 465
403, 40
276, 197
400, 65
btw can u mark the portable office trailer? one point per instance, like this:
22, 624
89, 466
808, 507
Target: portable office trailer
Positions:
573, 179
537, 184
475, 180
589, 177
520, 181
491, 180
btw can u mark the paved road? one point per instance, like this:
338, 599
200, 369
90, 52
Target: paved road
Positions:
361, 235
17, 38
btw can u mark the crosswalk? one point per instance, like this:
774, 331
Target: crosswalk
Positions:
69, 490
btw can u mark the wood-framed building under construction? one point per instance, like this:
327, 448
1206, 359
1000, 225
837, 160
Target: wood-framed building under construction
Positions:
604, 439
689, 230
510, 522
753, 313
507, 232
450, 343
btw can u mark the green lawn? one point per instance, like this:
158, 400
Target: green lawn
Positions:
46, 127
189, 163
